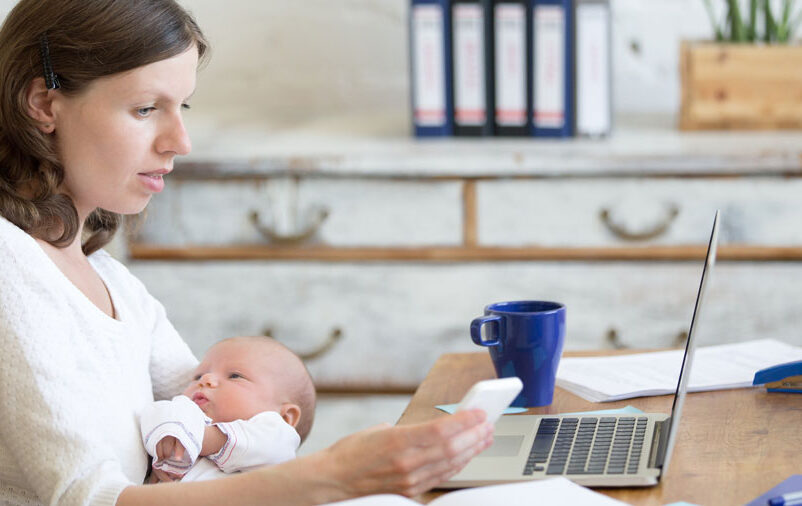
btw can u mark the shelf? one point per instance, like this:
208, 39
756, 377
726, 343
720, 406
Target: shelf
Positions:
639, 146
458, 254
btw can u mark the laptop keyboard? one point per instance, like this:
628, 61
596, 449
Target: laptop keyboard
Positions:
590, 445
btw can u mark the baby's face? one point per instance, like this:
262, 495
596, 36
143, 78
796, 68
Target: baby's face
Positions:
238, 379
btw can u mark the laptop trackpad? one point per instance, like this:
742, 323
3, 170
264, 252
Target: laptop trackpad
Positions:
504, 446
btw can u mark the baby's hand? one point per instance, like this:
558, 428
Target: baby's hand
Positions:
169, 448
159, 476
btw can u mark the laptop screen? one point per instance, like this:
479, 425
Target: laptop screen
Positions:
685, 369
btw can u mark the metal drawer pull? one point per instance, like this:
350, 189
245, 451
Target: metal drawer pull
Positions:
621, 231
292, 239
615, 342
335, 335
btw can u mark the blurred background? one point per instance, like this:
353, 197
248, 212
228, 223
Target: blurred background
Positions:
308, 211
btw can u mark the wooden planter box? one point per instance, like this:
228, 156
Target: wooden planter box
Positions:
740, 86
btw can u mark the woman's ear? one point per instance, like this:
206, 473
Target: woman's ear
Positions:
291, 413
40, 105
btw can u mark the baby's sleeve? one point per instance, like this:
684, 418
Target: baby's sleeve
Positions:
180, 418
265, 439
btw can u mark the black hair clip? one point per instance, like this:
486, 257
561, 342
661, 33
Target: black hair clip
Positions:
51, 79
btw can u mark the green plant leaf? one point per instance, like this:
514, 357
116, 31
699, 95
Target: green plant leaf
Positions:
751, 33
771, 26
738, 32
712, 15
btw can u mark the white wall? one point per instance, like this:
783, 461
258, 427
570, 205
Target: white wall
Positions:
343, 64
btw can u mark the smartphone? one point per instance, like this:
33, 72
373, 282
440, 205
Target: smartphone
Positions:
492, 396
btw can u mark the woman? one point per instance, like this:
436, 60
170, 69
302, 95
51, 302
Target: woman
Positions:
90, 122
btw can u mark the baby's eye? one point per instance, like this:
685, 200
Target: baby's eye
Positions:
234, 375
197, 377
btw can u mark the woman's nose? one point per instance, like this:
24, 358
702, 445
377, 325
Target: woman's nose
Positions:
174, 138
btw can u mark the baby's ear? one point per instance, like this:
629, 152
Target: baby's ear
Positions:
291, 413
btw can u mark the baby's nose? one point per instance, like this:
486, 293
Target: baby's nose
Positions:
208, 380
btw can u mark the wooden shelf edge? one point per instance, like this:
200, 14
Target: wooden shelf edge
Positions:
459, 254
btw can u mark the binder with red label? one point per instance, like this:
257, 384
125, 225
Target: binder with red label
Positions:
430, 58
471, 60
512, 96
552, 68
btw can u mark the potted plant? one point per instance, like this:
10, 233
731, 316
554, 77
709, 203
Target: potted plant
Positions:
750, 76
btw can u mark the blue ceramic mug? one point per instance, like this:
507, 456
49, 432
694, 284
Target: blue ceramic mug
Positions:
525, 339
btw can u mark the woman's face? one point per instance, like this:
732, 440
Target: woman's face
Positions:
118, 138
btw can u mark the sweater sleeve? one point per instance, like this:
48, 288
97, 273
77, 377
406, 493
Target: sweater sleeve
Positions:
264, 439
42, 413
171, 360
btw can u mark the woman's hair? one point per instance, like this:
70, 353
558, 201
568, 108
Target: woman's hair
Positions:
87, 40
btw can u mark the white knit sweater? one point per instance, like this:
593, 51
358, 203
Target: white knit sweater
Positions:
72, 379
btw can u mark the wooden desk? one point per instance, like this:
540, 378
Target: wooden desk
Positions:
733, 444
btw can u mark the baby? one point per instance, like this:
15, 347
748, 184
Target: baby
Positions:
251, 403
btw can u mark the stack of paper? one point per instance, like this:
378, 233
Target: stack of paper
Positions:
554, 491
602, 379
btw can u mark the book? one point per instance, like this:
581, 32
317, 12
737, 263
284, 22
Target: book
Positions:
472, 67
552, 491
512, 99
592, 68
552, 68
612, 378
430, 58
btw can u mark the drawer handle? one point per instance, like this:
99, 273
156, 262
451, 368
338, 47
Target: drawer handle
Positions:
657, 230
615, 342
334, 336
292, 239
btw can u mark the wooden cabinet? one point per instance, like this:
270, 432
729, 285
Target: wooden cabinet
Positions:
373, 256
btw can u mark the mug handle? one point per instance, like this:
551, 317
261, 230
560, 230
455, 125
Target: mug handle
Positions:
476, 329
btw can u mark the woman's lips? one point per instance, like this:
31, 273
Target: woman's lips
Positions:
153, 180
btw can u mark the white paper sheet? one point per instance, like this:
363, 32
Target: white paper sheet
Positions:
602, 379
554, 491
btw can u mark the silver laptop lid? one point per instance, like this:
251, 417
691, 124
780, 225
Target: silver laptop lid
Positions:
685, 369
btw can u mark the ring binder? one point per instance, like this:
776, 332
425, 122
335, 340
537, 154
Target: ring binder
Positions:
430, 58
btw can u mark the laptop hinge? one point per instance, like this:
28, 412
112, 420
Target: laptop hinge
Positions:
659, 443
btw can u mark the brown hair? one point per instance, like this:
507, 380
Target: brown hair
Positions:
87, 39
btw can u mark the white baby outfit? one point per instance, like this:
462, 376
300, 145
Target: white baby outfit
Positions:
264, 439
73, 380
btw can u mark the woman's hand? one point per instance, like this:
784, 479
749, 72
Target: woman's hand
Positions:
410, 459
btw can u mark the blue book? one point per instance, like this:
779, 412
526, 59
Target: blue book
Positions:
430, 56
552, 68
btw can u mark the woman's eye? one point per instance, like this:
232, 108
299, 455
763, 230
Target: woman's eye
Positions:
144, 112
186, 107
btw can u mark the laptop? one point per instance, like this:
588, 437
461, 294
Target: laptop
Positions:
592, 450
